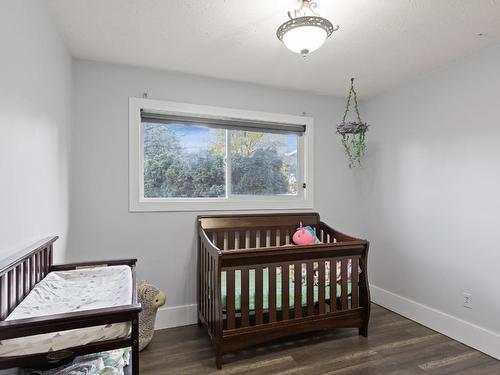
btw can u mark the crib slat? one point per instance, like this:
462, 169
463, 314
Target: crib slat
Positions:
298, 290
212, 290
46, 252
43, 255
282, 236
51, 256
244, 298
333, 285
18, 284
343, 272
29, 278
10, 287
207, 286
202, 281
239, 236
272, 294
285, 295
264, 235
202, 272
40, 255
220, 240
214, 293
209, 292
253, 239
32, 272
37, 268
230, 308
207, 289
199, 270
272, 239
291, 232
2, 305
25, 278
259, 301
354, 284
44, 262
321, 286
310, 288
231, 241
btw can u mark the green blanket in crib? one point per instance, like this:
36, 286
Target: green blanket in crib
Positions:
265, 278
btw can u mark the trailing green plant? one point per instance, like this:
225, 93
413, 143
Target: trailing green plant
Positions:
353, 133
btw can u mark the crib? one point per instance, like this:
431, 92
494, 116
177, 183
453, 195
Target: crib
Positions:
255, 286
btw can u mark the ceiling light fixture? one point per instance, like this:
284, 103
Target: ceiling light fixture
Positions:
306, 31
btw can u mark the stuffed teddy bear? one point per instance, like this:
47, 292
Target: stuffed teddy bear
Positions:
151, 298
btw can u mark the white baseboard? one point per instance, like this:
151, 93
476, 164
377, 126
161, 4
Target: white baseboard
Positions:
176, 316
470, 334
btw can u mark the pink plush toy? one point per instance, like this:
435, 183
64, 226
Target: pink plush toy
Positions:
305, 236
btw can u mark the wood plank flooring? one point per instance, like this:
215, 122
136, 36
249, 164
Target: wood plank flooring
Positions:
395, 346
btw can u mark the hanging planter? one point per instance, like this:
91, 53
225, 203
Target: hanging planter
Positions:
353, 133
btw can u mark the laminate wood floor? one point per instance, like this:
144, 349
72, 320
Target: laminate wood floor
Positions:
395, 346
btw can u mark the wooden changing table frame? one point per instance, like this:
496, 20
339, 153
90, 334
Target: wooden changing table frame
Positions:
18, 276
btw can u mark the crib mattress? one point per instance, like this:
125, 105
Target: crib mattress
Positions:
70, 291
265, 292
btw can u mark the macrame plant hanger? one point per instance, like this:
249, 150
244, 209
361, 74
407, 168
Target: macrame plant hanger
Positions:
353, 133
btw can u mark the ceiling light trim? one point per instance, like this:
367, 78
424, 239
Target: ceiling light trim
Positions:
306, 21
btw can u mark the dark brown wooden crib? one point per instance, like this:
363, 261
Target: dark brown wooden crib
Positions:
248, 279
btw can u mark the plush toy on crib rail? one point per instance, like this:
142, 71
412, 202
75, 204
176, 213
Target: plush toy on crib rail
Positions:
151, 298
305, 236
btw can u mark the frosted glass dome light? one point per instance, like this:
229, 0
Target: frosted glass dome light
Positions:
305, 39
305, 32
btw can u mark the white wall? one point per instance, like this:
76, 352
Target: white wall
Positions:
431, 199
102, 227
35, 109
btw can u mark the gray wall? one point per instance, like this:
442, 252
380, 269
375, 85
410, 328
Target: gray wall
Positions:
430, 194
164, 242
35, 109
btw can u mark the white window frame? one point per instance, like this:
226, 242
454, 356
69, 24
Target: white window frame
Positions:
137, 202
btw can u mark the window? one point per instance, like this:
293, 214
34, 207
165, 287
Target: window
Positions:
189, 157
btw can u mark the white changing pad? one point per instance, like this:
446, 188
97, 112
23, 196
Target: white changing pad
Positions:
69, 291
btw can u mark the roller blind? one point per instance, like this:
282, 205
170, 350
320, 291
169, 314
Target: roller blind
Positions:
221, 122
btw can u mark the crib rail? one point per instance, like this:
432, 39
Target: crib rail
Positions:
20, 273
318, 285
270, 235
209, 295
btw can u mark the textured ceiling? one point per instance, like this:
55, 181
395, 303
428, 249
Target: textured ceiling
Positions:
380, 42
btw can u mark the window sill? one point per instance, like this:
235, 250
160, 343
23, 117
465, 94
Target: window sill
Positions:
160, 205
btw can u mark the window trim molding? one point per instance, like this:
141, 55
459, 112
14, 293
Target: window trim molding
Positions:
139, 204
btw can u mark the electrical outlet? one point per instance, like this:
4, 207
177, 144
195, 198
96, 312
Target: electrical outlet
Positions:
467, 298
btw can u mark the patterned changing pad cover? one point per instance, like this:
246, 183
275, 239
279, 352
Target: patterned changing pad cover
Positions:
69, 291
